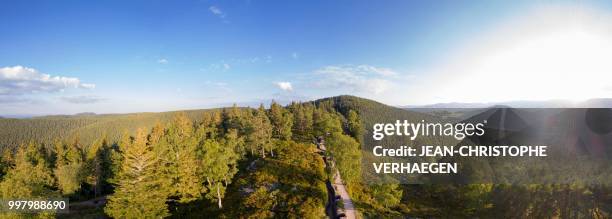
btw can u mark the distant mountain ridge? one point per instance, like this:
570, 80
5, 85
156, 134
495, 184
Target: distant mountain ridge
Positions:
591, 103
88, 126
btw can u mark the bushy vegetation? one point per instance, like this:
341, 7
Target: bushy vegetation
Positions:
262, 160
248, 163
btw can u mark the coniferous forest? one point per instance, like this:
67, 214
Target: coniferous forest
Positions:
246, 163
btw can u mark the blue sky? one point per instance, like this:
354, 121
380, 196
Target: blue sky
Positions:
64, 57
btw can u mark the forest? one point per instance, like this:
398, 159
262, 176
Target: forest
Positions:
240, 162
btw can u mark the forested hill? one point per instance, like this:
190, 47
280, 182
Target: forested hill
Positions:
371, 111
232, 162
253, 163
89, 127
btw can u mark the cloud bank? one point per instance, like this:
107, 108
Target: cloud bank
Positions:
83, 99
19, 80
360, 79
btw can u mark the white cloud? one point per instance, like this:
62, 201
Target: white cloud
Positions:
162, 61
222, 84
286, 86
226, 64
377, 70
19, 80
217, 11
6, 99
362, 79
83, 99
88, 86
217, 67
218, 85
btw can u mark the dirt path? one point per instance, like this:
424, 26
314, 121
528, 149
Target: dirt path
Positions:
336, 188
96, 202
349, 208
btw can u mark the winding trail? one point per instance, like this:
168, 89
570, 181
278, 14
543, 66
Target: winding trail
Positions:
337, 188
95, 202
349, 208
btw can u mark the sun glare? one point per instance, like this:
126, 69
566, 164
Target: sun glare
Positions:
548, 55
571, 65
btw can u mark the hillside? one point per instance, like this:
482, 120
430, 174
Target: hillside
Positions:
267, 166
371, 112
91, 126
590, 103
87, 127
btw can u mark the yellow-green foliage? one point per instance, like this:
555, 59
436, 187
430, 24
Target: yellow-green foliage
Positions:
69, 167
289, 185
250, 163
137, 192
88, 128
347, 155
29, 178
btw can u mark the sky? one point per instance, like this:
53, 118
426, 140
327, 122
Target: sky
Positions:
66, 57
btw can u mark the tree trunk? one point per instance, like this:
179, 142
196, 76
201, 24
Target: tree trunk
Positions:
263, 152
219, 197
